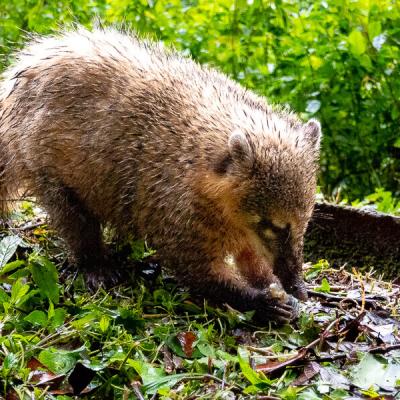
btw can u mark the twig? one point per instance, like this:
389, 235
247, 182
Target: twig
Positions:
136, 390
265, 351
357, 275
301, 353
374, 350
326, 334
29, 226
150, 316
328, 296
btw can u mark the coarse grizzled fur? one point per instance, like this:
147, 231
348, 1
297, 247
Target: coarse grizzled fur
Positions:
104, 128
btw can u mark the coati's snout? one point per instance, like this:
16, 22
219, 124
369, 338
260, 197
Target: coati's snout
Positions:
288, 267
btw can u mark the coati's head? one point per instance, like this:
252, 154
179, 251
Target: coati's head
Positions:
273, 176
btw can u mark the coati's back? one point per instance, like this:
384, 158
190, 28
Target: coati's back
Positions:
80, 107
106, 128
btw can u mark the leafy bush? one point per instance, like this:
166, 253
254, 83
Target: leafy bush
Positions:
336, 60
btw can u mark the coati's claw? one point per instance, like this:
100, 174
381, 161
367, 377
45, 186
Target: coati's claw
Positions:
294, 303
275, 311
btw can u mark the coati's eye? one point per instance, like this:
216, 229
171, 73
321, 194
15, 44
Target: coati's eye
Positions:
272, 231
266, 223
269, 234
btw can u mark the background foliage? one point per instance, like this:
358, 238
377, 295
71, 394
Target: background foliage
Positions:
337, 60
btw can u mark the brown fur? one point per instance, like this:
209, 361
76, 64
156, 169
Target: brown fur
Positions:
106, 129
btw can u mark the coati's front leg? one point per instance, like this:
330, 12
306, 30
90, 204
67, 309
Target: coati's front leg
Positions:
219, 282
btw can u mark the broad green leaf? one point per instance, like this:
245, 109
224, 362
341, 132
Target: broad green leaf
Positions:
8, 246
37, 317
159, 380
10, 361
45, 275
18, 291
252, 376
374, 29
152, 378
58, 317
139, 250
85, 321
147, 372
11, 266
375, 372
4, 297
357, 43
58, 361
324, 287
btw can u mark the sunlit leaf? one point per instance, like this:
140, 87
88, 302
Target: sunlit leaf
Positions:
357, 43
8, 246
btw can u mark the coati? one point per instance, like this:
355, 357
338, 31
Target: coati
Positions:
104, 128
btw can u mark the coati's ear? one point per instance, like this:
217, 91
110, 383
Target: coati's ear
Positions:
312, 133
239, 152
239, 147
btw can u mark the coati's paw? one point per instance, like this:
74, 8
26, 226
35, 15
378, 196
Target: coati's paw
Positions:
106, 278
105, 273
280, 312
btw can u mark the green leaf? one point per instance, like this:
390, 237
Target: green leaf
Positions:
10, 361
316, 62
357, 43
11, 266
153, 378
4, 297
252, 376
58, 361
373, 372
45, 275
8, 246
104, 323
139, 250
37, 317
324, 287
85, 321
58, 317
18, 291
158, 382
374, 29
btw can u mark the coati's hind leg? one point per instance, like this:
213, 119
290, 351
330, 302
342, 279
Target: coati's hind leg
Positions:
81, 231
